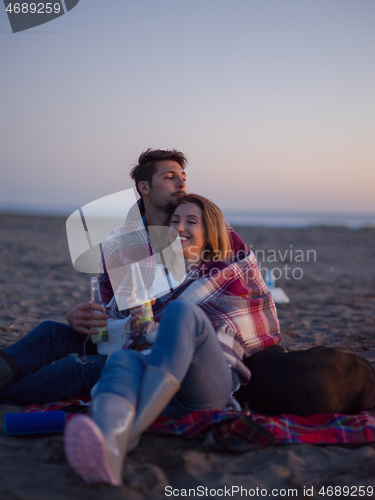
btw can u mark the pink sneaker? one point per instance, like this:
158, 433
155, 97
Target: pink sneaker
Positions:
87, 452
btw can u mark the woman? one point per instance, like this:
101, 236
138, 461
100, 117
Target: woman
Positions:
223, 311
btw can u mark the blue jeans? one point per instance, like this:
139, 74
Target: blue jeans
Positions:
53, 365
188, 348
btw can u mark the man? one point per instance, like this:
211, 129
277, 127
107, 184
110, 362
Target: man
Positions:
160, 181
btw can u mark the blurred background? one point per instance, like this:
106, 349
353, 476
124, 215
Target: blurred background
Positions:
271, 101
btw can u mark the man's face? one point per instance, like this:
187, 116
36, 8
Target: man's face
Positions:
168, 185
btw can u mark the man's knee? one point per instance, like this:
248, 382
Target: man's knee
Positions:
56, 328
48, 325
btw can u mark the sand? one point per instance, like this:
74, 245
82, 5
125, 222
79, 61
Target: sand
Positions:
332, 303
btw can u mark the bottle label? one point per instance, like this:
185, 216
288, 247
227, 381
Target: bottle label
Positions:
100, 337
147, 314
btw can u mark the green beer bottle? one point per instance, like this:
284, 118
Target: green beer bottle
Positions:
97, 299
141, 296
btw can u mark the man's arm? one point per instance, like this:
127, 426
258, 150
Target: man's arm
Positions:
127, 244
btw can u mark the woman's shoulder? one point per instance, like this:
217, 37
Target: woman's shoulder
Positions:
235, 262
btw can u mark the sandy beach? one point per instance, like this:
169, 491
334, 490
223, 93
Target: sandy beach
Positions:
329, 275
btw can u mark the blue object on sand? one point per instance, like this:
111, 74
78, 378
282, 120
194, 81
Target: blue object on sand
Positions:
270, 280
41, 422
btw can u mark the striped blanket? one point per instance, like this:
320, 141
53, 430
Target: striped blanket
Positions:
239, 431
243, 431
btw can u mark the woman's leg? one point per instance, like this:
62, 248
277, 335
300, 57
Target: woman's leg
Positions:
186, 351
122, 375
95, 447
188, 348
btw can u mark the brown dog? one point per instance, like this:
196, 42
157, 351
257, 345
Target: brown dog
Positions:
317, 380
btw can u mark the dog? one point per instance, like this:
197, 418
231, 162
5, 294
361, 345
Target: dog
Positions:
317, 380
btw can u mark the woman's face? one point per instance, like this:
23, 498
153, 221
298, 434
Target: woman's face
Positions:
188, 222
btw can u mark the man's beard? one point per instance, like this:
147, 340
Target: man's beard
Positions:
172, 205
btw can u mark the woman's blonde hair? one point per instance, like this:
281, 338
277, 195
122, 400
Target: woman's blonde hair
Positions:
218, 245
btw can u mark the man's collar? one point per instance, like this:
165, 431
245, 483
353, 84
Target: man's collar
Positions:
141, 206
144, 221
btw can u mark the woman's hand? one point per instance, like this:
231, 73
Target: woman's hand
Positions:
136, 312
85, 317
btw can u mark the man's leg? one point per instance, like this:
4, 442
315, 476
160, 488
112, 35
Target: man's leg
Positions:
42, 369
45, 344
65, 378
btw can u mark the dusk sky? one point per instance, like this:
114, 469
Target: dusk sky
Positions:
272, 101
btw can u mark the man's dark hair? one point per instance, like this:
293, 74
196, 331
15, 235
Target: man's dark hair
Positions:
147, 164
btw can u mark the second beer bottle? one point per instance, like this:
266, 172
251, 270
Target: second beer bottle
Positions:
141, 296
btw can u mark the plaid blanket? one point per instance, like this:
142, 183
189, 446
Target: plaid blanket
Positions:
238, 304
243, 431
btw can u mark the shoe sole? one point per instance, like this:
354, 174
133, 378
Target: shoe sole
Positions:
86, 451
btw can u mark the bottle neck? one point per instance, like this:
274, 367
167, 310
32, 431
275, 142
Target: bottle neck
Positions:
95, 295
139, 291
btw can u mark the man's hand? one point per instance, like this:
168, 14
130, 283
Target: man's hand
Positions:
82, 317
